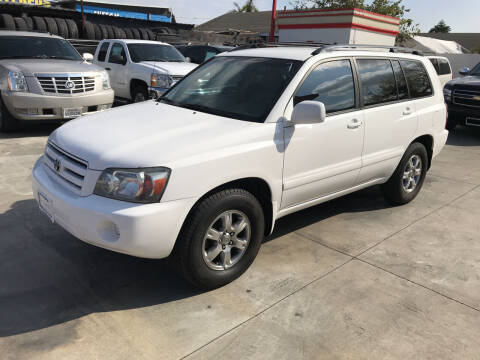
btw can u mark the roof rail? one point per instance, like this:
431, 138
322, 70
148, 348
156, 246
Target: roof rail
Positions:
392, 49
276, 45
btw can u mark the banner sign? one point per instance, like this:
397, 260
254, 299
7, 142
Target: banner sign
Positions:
44, 3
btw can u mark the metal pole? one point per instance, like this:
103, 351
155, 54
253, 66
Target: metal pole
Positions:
274, 19
83, 16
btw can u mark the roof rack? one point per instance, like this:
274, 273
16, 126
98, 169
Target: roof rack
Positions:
276, 45
392, 49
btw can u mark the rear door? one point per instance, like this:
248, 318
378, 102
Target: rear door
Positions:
390, 116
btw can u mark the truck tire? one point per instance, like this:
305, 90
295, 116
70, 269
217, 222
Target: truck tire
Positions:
98, 32
407, 180
122, 33
143, 33
39, 24
7, 22
140, 94
62, 28
7, 122
220, 239
72, 29
136, 34
151, 35
29, 22
111, 34
89, 31
51, 25
104, 30
20, 24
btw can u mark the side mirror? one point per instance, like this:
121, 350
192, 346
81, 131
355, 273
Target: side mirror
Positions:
309, 112
188, 60
465, 71
87, 57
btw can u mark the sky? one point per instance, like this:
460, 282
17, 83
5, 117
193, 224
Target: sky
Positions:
461, 15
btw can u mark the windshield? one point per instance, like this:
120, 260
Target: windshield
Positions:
25, 47
242, 88
150, 52
475, 71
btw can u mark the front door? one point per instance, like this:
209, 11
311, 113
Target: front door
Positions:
116, 67
325, 158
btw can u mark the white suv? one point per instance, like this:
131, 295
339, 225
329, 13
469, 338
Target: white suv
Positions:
203, 173
140, 69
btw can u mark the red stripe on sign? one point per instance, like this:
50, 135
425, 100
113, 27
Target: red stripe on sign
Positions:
328, 15
338, 10
338, 26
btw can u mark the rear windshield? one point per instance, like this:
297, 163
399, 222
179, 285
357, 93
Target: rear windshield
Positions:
26, 47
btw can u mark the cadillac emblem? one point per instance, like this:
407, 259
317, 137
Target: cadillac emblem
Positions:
57, 165
70, 85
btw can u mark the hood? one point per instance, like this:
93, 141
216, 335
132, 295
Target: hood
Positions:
468, 81
172, 68
29, 67
149, 134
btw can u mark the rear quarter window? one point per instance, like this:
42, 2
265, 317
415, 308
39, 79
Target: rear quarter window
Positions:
418, 79
444, 67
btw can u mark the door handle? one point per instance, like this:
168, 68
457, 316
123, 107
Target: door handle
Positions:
108, 69
355, 124
407, 111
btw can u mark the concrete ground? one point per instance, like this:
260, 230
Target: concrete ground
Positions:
350, 279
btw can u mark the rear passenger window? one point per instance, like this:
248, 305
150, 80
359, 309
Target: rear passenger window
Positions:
378, 81
401, 81
418, 80
102, 54
444, 67
332, 84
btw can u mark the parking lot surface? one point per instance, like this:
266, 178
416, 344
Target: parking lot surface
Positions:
353, 278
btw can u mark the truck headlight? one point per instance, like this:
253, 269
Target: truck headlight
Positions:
133, 185
447, 94
17, 82
163, 81
105, 80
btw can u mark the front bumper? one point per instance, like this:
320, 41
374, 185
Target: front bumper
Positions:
460, 114
142, 230
155, 92
30, 106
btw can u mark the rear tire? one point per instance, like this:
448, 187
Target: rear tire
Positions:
7, 122
194, 255
407, 180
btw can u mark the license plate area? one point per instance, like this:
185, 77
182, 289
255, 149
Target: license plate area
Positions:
71, 113
473, 121
45, 206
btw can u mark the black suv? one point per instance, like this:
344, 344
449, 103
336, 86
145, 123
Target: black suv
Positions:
198, 54
463, 98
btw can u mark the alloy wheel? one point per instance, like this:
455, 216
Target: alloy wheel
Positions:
412, 173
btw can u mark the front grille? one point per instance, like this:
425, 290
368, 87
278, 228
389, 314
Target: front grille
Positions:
469, 98
176, 78
66, 84
68, 169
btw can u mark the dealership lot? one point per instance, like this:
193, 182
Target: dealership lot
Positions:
352, 278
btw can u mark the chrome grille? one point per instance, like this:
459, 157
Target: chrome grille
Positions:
176, 78
68, 169
467, 97
66, 84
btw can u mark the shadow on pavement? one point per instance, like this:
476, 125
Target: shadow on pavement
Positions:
31, 130
464, 136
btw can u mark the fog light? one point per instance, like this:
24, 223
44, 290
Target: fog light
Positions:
32, 111
103, 107
109, 231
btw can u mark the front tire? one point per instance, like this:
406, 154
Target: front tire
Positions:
220, 239
140, 94
407, 180
7, 122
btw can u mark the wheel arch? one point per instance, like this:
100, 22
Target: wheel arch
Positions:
428, 142
258, 187
136, 82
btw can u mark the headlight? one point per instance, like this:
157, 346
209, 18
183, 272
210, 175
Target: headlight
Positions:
105, 81
17, 81
163, 81
447, 93
133, 185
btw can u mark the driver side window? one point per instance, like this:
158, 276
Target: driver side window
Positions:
117, 55
330, 83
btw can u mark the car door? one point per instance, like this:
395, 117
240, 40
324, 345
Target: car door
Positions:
116, 67
324, 158
390, 116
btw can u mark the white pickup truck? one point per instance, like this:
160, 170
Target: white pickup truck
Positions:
141, 69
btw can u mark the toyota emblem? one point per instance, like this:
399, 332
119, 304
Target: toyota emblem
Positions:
70, 85
57, 165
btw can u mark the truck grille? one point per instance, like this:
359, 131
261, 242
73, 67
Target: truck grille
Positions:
467, 98
66, 84
68, 169
176, 78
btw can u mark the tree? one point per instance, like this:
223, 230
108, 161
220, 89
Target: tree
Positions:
393, 8
441, 27
248, 7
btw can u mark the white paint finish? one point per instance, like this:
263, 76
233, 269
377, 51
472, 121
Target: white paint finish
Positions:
339, 36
